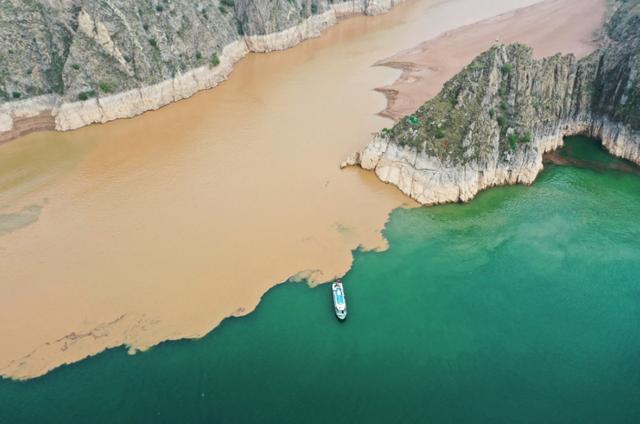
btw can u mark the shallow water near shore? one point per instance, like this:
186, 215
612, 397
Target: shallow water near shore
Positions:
521, 306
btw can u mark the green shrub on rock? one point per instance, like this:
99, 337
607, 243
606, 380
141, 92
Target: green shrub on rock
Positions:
214, 61
86, 95
107, 87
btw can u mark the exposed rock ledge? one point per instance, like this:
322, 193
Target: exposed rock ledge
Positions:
48, 112
492, 123
431, 181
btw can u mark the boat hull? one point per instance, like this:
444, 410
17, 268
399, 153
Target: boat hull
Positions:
339, 300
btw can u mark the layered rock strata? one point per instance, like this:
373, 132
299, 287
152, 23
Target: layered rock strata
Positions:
491, 124
66, 64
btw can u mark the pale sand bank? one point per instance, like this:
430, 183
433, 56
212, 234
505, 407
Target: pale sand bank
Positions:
554, 26
159, 227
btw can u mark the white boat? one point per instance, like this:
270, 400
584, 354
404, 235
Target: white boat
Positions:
339, 301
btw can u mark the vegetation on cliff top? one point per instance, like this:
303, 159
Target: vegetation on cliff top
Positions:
129, 43
506, 97
487, 100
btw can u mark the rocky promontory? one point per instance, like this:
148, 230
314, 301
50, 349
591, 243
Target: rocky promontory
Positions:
69, 63
491, 124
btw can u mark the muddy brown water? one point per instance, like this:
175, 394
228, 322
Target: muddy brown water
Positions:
158, 227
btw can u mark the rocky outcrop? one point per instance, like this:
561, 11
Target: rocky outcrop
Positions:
74, 115
309, 28
368, 7
66, 64
492, 123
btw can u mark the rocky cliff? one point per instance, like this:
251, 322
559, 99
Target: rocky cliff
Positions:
69, 63
491, 124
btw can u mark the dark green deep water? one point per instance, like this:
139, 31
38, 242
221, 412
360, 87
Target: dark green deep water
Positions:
522, 306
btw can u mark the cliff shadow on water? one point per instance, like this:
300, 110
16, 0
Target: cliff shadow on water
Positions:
589, 153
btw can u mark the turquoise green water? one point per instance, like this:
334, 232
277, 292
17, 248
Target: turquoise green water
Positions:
520, 307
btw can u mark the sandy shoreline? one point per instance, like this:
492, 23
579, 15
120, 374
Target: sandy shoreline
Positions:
157, 228
554, 26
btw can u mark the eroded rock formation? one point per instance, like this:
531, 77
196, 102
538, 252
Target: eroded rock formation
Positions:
491, 124
69, 63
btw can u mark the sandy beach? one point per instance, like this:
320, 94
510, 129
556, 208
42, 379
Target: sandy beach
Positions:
554, 26
159, 227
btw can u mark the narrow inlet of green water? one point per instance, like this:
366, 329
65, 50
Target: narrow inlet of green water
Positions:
522, 306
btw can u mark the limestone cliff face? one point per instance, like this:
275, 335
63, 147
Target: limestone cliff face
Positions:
69, 63
492, 123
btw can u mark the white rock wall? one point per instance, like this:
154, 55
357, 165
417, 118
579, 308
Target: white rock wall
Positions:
69, 116
431, 181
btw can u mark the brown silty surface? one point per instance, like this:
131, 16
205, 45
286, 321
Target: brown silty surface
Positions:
159, 227
43, 121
